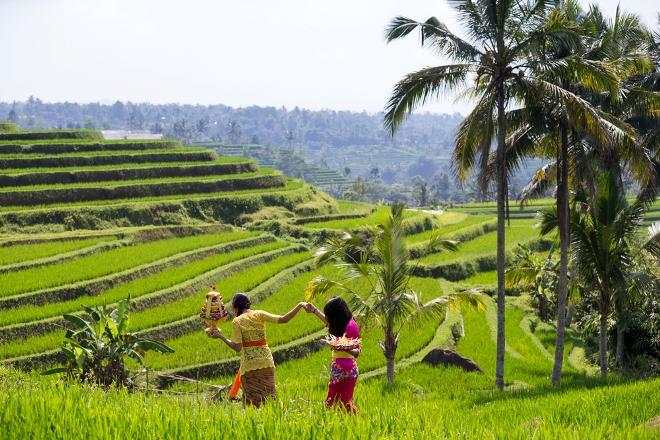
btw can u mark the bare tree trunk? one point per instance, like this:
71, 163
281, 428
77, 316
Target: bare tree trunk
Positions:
603, 344
620, 347
564, 239
501, 198
569, 316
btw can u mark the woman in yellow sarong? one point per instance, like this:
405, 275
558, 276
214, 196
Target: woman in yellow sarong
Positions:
257, 371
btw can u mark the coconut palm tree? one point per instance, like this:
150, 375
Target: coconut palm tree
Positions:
602, 234
234, 132
593, 127
490, 68
390, 303
201, 127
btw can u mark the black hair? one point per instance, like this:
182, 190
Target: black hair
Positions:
338, 315
241, 302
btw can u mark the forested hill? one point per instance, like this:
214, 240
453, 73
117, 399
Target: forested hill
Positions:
313, 129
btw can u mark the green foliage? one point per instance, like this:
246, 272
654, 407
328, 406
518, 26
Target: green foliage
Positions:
96, 349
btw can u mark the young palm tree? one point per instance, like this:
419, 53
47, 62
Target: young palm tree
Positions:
390, 303
602, 253
489, 68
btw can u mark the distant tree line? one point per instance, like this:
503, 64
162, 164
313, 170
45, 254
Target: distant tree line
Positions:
314, 129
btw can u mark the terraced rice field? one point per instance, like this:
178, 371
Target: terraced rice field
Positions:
168, 274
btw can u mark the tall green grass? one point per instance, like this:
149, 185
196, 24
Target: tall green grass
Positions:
139, 321
162, 280
25, 252
112, 261
424, 402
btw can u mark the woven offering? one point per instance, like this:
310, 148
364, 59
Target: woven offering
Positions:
213, 310
343, 343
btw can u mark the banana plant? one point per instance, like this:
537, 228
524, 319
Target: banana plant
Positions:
96, 349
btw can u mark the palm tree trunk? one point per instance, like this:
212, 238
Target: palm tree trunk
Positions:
564, 238
389, 345
501, 194
620, 347
603, 344
390, 369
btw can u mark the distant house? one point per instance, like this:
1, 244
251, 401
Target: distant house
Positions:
129, 134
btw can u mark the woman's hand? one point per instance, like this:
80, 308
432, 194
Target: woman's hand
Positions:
286, 318
311, 308
214, 333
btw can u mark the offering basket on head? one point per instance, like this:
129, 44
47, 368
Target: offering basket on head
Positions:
213, 310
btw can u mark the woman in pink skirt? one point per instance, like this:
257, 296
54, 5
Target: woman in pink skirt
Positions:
343, 368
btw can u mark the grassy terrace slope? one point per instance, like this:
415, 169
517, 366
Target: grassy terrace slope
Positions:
45, 180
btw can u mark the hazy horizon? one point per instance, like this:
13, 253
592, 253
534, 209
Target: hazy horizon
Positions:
313, 55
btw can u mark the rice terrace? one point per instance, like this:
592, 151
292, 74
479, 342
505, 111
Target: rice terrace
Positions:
173, 284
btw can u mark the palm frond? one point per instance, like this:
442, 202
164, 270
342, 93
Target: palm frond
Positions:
415, 89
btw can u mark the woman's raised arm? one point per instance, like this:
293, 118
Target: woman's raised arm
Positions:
294, 311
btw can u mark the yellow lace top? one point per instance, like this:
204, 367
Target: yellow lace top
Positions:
250, 327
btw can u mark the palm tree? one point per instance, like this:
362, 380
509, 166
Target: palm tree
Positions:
586, 121
390, 303
234, 132
602, 246
501, 35
201, 126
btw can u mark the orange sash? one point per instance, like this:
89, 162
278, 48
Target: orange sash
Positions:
255, 343
237, 382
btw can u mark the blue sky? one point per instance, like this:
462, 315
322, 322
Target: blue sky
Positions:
313, 54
